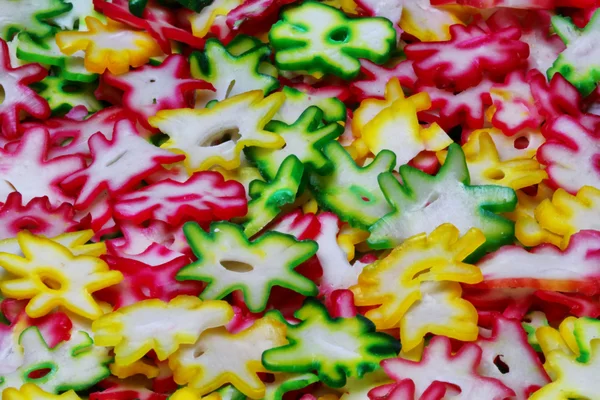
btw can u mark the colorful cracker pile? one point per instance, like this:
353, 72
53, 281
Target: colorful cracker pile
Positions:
299, 200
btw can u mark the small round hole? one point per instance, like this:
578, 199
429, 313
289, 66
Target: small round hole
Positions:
116, 159
66, 141
51, 283
28, 223
432, 199
340, 35
38, 373
229, 89
495, 174
501, 365
423, 272
198, 353
228, 135
71, 88
361, 193
146, 291
236, 266
521, 143
152, 80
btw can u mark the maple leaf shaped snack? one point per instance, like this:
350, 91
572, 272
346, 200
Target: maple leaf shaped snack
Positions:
133, 330
460, 62
205, 196
393, 283
117, 164
424, 202
149, 89
51, 275
228, 261
337, 348
220, 357
217, 135
319, 38
439, 367
98, 42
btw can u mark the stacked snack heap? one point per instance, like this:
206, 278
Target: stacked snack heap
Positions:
299, 199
